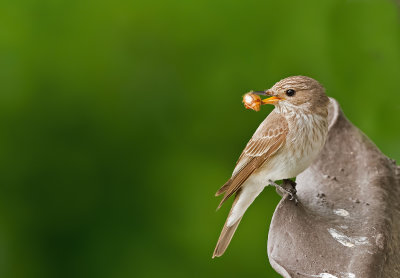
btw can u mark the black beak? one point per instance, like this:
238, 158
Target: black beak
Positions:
263, 93
260, 93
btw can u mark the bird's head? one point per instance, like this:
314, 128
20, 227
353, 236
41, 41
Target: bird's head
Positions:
297, 92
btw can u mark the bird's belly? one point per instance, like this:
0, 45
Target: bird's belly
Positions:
301, 148
296, 164
303, 145
287, 163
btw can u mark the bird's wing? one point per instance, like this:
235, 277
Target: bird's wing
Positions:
266, 141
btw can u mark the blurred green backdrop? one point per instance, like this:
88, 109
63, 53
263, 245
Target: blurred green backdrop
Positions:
120, 120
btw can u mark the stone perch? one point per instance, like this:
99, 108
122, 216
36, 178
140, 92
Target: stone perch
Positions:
347, 222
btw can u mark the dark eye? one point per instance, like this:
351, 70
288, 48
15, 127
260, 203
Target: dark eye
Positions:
290, 92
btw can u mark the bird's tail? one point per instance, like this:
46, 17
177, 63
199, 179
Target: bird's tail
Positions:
226, 233
243, 200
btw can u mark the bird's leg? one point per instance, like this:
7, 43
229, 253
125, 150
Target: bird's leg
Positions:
288, 186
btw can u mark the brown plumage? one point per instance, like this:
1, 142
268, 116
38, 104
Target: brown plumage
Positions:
283, 145
266, 141
226, 233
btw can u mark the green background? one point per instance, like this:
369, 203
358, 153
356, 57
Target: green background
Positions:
120, 119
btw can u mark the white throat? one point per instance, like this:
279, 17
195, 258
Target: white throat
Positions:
285, 107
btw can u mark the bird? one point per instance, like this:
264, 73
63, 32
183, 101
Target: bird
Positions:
283, 146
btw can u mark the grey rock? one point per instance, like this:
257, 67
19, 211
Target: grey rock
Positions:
347, 226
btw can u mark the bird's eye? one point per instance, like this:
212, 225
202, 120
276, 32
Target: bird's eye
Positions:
290, 92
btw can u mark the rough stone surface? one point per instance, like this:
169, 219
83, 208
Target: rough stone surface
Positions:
347, 224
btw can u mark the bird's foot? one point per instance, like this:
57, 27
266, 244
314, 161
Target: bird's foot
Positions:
288, 186
289, 183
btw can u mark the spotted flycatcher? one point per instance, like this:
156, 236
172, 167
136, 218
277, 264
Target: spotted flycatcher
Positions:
283, 146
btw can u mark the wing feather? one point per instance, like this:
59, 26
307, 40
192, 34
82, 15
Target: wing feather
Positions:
266, 141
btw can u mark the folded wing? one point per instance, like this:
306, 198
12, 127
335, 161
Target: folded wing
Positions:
265, 143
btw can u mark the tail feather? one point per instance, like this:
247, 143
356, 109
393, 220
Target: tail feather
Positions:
224, 188
226, 233
225, 238
243, 199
